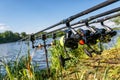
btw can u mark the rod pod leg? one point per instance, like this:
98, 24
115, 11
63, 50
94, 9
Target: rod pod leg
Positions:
46, 54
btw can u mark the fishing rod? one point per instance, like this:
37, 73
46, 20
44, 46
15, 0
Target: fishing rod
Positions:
98, 20
66, 21
86, 33
90, 39
90, 18
95, 21
103, 4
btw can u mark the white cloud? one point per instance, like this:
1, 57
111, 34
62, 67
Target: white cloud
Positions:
107, 22
110, 23
4, 27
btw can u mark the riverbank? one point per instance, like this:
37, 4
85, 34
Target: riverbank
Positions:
99, 67
80, 67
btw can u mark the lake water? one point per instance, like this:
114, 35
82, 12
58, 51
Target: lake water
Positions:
11, 50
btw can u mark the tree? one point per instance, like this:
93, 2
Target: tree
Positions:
16, 36
9, 36
23, 34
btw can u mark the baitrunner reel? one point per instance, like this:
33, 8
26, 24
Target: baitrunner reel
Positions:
71, 38
89, 37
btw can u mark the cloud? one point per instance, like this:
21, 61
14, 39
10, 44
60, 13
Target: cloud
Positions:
4, 27
110, 23
107, 22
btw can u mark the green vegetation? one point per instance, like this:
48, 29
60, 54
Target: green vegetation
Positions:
80, 67
21, 69
117, 20
9, 36
100, 67
116, 28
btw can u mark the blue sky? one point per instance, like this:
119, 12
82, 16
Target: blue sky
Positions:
33, 15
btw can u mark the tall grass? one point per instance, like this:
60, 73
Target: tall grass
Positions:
80, 67
21, 69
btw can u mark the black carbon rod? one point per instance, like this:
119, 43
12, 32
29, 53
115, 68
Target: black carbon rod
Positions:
91, 18
106, 18
103, 4
101, 20
95, 21
97, 16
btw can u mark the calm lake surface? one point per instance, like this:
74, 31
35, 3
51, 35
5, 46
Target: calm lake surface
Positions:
11, 50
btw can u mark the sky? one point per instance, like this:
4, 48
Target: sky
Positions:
31, 16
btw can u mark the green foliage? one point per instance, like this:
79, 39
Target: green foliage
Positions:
58, 50
22, 69
9, 36
79, 67
39, 34
118, 42
117, 20
60, 33
23, 34
116, 28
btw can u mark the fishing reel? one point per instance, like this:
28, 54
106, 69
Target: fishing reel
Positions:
89, 37
93, 35
108, 34
71, 38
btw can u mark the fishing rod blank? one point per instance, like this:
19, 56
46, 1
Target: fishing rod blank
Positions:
103, 4
92, 17
101, 20
97, 16
108, 2
95, 21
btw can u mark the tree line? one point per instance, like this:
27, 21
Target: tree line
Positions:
9, 36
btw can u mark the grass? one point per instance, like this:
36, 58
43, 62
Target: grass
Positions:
80, 67
100, 67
